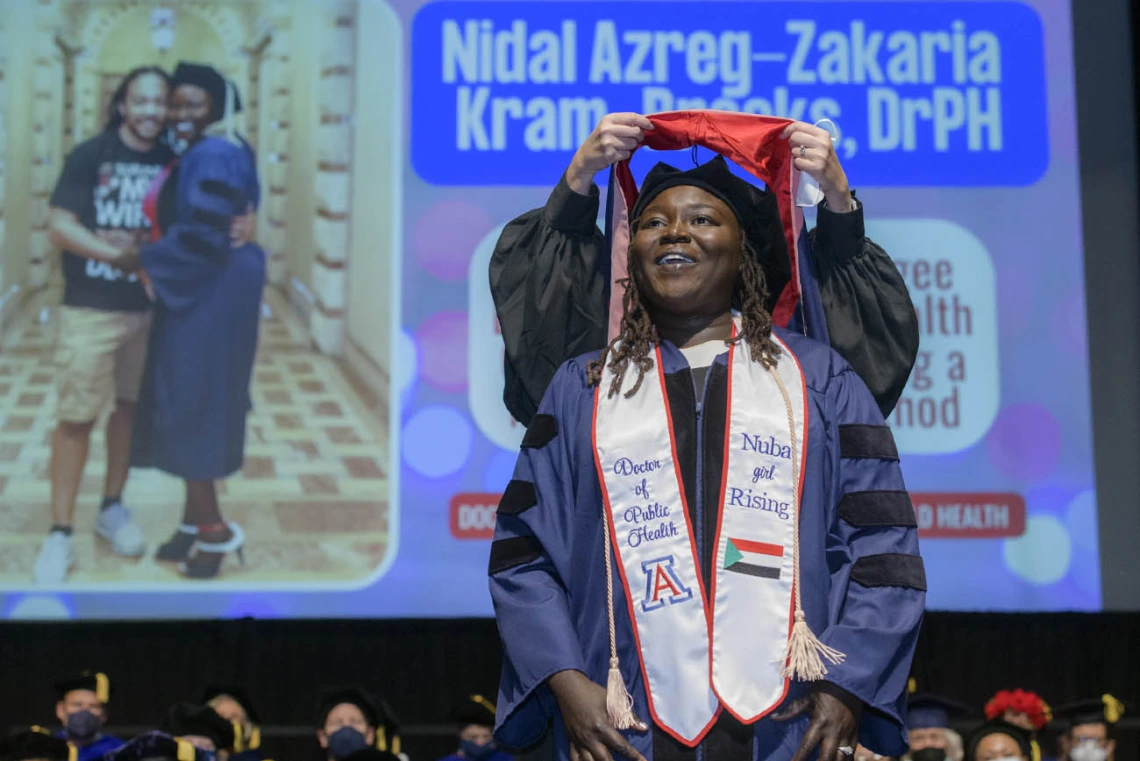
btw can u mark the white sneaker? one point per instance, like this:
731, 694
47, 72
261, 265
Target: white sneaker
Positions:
115, 525
56, 559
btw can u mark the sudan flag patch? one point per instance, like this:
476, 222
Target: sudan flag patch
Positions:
753, 558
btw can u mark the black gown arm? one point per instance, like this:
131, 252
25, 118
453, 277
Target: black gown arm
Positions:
549, 279
870, 316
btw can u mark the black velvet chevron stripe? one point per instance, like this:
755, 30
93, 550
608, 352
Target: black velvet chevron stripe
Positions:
867, 442
224, 190
542, 429
890, 570
508, 553
518, 498
877, 508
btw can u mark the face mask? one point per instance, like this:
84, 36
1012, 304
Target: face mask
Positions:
1088, 751
1009, 758
345, 741
82, 725
928, 754
477, 752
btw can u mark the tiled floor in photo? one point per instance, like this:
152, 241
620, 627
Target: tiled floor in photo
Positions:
312, 496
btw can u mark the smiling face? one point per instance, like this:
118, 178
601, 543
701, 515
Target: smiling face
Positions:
191, 111
687, 251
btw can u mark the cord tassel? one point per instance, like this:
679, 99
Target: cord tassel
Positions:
805, 654
619, 703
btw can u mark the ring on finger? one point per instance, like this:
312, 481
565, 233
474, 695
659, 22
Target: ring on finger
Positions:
803, 154
847, 750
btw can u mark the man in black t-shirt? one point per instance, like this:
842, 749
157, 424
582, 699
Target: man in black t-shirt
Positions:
97, 220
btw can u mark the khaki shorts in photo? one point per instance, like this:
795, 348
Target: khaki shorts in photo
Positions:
100, 357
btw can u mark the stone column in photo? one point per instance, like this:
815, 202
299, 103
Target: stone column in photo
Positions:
334, 176
272, 150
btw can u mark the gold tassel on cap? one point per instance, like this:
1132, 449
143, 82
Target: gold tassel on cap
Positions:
483, 702
72, 752
1113, 709
186, 751
239, 737
254, 738
619, 703
804, 656
102, 688
381, 738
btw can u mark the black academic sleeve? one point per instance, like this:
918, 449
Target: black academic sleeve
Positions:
870, 316
549, 274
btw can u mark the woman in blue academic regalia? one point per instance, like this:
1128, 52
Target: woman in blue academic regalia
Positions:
195, 397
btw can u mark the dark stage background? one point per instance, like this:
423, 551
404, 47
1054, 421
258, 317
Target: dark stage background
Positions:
422, 667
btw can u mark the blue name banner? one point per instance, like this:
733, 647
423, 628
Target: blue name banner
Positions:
923, 93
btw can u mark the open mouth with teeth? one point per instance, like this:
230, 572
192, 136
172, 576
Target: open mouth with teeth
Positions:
674, 260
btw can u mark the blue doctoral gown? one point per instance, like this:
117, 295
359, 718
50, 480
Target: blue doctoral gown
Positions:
862, 579
195, 397
96, 750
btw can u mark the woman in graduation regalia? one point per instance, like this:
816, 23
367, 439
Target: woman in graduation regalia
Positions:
551, 273
195, 397
740, 478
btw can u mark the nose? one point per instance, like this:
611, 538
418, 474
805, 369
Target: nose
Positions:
675, 232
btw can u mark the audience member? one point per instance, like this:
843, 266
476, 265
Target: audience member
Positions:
1089, 728
349, 719
203, 728
233, 704
998, 740
475, 721
928, 725
82, 712
36, 745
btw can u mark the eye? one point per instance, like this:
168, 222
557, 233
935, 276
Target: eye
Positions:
702, 219
653, 223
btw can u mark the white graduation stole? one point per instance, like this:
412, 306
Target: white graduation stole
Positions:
697, 658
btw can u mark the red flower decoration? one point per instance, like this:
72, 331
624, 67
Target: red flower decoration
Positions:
1020, 702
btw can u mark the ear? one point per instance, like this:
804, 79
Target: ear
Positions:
1110, 746
323, 738
60, 713
370, 736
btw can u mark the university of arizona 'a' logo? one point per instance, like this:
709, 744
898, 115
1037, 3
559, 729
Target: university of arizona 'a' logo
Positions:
662, 587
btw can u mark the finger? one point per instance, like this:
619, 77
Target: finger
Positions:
625, 143
811, 142
616, 741
598, 750
807, 129
811, 739
829, 747
629, 118
810, 165
574, 753
627, 131
792, 710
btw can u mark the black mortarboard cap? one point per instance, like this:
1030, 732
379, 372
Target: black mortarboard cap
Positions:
96, 682
756, 210
1103, 710
376, 712
237, 693
1023, 738
476, 709
155, 745
186, 719
34, 744
927, 711
210, 80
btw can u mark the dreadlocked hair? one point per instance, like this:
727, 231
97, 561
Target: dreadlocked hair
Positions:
637, 334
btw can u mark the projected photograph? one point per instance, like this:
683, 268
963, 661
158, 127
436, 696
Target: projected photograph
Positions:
199, 230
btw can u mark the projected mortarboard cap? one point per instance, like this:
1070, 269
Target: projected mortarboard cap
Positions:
36, 745
474, 710
1103, 710
998, 726
188, 720
156, 745
376, 713
248, 738
928, 711
96, 682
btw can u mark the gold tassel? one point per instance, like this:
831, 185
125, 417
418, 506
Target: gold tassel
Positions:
254, 738
72, 752
619, 703
102, 688
186, 751
804, 655
1113, 709
239, 738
